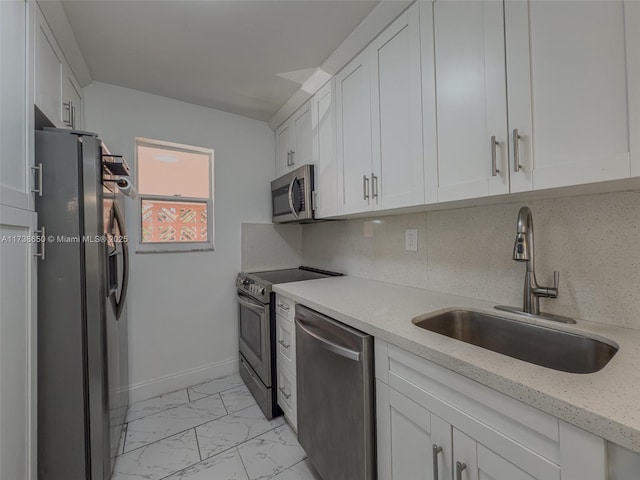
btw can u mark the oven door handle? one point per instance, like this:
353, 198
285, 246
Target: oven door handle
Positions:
293, 209
256, 307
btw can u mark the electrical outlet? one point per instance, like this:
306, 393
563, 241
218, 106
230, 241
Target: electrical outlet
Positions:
411, 240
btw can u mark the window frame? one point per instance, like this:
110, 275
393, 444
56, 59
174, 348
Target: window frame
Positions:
171, 247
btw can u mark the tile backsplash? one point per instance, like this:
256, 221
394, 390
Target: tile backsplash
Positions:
593, 241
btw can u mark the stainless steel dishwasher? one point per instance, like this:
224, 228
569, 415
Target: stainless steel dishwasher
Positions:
336, 407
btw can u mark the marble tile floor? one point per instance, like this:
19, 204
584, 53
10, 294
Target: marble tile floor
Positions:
211, 431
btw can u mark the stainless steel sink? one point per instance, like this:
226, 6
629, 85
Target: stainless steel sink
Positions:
544, 346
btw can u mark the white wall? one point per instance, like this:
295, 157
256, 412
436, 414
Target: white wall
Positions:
591, 240
268, 246
182, 309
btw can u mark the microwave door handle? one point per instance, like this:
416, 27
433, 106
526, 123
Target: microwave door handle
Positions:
293, 209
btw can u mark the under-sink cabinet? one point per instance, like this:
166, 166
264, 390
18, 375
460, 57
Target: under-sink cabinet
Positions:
434, 424
286, 358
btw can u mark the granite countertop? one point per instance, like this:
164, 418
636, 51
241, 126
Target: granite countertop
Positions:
606, 403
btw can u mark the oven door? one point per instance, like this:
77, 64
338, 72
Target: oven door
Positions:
255, 336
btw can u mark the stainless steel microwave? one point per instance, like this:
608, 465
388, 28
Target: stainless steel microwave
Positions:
292, 196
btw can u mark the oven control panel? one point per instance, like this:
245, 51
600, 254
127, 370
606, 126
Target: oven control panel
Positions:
247, 285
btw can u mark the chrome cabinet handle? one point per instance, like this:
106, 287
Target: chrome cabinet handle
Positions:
365, 187
289, 158
494, 161
73, 116
42, 253
293, 153
516, 150
374, 187
38, 190
436, 450
293, 209
284, 393
68, 106
460, 467
283, 306
285, 345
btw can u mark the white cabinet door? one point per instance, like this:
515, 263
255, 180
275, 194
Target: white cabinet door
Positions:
48, 72
284, 146
353, 121
71, 99
302, 153
568, 91
396, 113
471, 98
16, 107
18, 399
407, 434
324, 151
476, 462
429, 122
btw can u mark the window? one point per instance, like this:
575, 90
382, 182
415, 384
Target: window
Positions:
175, 185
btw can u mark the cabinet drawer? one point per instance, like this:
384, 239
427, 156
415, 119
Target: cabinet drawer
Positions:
287, 396
286, 344
285, 307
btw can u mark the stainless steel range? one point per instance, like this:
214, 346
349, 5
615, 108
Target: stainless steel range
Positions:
257, 317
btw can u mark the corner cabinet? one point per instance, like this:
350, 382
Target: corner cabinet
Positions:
294, 141
433, 424
57, 92
323, 125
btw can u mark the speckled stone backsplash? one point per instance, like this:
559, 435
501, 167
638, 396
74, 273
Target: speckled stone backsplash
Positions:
593, 241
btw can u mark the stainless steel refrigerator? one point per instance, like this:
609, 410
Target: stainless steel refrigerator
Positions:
82, 322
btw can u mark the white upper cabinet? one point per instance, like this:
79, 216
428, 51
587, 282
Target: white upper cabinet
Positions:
379, 122
324, 152
16, 110
353, 122
57, 93
398, 168
567, 91
471, 99
284, 146
71, 99
294, 141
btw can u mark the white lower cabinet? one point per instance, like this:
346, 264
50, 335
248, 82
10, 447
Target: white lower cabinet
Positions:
433, 424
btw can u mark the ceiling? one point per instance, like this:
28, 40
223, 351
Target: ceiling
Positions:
241, 56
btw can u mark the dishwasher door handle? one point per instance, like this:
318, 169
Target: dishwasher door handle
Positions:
329, 345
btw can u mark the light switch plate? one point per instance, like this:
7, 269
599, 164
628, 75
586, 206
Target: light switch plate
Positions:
411, 240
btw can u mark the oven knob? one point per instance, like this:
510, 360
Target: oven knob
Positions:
245, 282
261, 291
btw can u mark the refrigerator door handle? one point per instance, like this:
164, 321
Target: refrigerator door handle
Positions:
125, 260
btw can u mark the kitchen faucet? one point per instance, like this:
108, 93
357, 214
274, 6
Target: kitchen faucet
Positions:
523, 251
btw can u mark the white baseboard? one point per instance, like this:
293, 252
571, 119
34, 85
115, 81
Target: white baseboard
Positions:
176, 381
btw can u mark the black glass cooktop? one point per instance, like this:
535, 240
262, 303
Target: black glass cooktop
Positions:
293, 275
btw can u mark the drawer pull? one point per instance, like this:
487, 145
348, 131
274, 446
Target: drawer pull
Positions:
285, 345
286, 395
460, 467
283, 306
